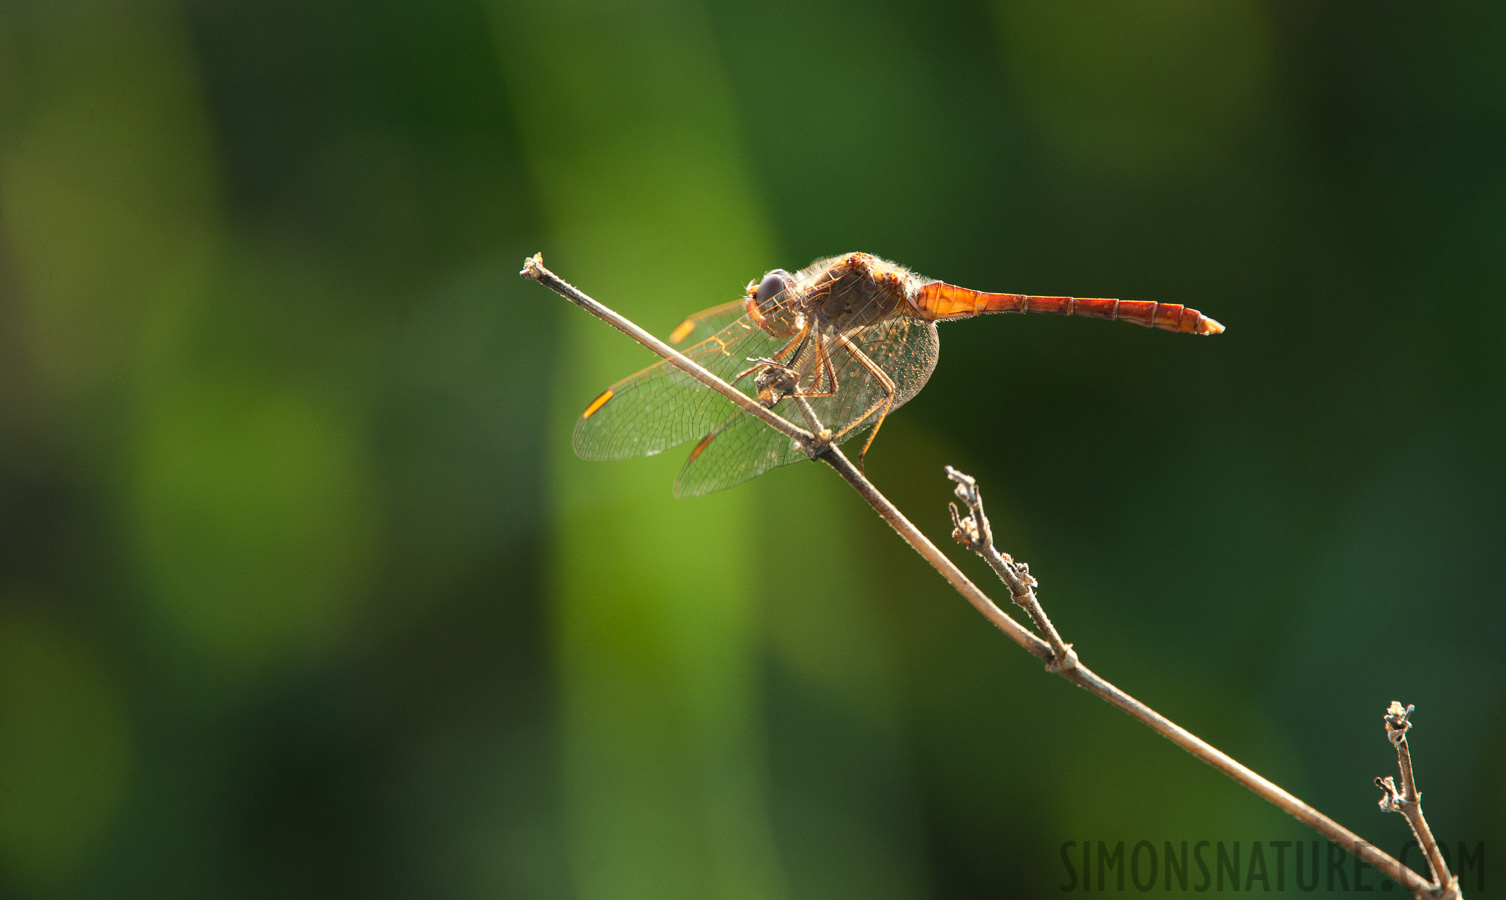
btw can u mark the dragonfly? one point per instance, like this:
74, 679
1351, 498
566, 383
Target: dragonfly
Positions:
854, 336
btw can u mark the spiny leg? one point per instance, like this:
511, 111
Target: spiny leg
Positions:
776, 380
886, 384
824, 368
795, 345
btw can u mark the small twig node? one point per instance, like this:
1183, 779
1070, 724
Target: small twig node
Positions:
1390, 800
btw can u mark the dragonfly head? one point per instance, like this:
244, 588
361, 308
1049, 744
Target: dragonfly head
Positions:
772, 288
770, 305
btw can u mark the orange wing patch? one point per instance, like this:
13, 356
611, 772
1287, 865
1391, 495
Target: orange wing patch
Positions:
681, 331
597, 404
699, 448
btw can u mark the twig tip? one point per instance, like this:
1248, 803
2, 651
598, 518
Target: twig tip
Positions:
1398, 720
532, 266
958, 476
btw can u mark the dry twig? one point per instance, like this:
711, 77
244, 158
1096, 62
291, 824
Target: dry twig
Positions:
973, 531
1408, 801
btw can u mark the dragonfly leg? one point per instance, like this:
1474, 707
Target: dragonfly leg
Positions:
774, 380
794, 348
824, 369
882, 406
759, 363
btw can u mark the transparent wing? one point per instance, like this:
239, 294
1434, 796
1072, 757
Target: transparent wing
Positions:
706, 323
741, 447
903, 348
662, 407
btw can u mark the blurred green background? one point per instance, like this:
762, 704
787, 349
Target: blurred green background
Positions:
305, 595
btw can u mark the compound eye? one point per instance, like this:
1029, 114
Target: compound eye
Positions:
772, 286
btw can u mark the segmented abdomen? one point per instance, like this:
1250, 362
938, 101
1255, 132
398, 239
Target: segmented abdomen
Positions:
939, 300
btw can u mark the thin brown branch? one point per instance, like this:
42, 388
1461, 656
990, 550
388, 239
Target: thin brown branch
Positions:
1408, 800
973, 529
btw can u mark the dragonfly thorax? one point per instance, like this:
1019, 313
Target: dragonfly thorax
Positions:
856, 290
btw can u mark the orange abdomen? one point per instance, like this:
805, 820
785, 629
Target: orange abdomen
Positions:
939, 300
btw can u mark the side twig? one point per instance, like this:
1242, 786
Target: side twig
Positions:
1408, 800
973, 531
978, 537
1058, 655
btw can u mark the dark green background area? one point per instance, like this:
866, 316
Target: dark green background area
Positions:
303, 593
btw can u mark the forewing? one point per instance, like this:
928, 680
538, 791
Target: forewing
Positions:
706, 323
662, 406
